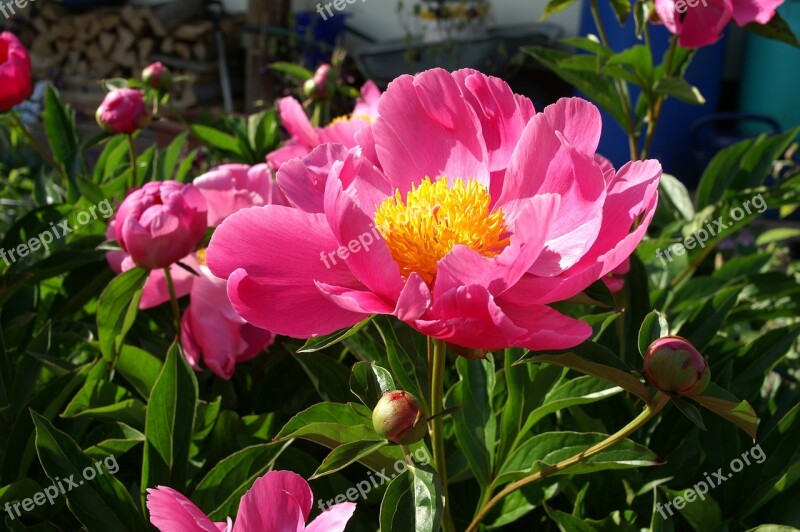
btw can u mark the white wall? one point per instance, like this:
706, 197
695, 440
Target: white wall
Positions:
379, 18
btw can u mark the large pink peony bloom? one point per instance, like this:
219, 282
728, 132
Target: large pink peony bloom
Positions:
213, 332
16, 83
232, 187
278, 501
342, 131
464, 213
700, 22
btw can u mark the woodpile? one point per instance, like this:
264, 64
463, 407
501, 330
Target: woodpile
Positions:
78, 49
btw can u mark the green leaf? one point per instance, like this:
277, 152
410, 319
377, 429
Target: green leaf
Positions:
567, 522
369, 381
622, 8
410, 368
475, 423
216, 139
549, 448
139, 368
59, 123
328, 376
701, 514
169, 424
777, 235
333, 424
413, 501
704, 321
296, 71
593, 359
599, 294
100, 399
205, 418
101, 502
113, 438
321, 342
572, 392
776, 29
554, 6
262, 132
116, 310
726, 405
346, 454
653, 327
168, 159
219, 491
746, 164
689, 410
681, 89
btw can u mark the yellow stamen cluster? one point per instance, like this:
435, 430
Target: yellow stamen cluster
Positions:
201, 256
435, 217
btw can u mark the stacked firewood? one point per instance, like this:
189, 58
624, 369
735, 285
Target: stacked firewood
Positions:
79, 48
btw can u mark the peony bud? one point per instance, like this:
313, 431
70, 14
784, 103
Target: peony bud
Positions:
161, 223
317, 86
156, 75
399, 418
16, 83
123, 111
673, 365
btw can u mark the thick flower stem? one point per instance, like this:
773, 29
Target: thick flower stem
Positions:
176, 311
43, 153
437, 424
647, 414
132, 151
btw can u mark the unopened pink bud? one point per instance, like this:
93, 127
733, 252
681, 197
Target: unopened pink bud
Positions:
672, 364
398, 417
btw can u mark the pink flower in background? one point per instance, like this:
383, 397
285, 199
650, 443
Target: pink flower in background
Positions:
463, 213
278, 501
161, 223
213, 332
123, 111
231, 187
16, 83
306, 137
702, 24
156, 75
615, 279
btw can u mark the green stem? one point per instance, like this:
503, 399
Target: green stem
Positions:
437, 424
655, 112
647, 414
48, 158
176, 311
621, 89
132, 152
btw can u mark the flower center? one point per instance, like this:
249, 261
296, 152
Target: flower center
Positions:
435, 217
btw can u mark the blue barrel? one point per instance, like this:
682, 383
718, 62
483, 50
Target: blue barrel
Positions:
771, 74
671, 142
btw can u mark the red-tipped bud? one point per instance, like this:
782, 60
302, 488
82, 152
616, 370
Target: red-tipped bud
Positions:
674, 365
318, 86
157, 76
399, 418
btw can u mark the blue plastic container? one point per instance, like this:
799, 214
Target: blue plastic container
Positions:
323, 35
771, 74
671, 141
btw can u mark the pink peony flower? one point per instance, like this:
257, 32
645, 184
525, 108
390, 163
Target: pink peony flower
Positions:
464, 213
156, 75
280, 500
700, 22
213, 331
161, 223
16, 83
342, 131
231, 187
123, 111
156, 291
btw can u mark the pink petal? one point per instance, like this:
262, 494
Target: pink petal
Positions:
334, 519
760, 11
297, 123
426, 128
303, 180
172, 512
356, 300
280, 501
271, 272
290, 150
367, 105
